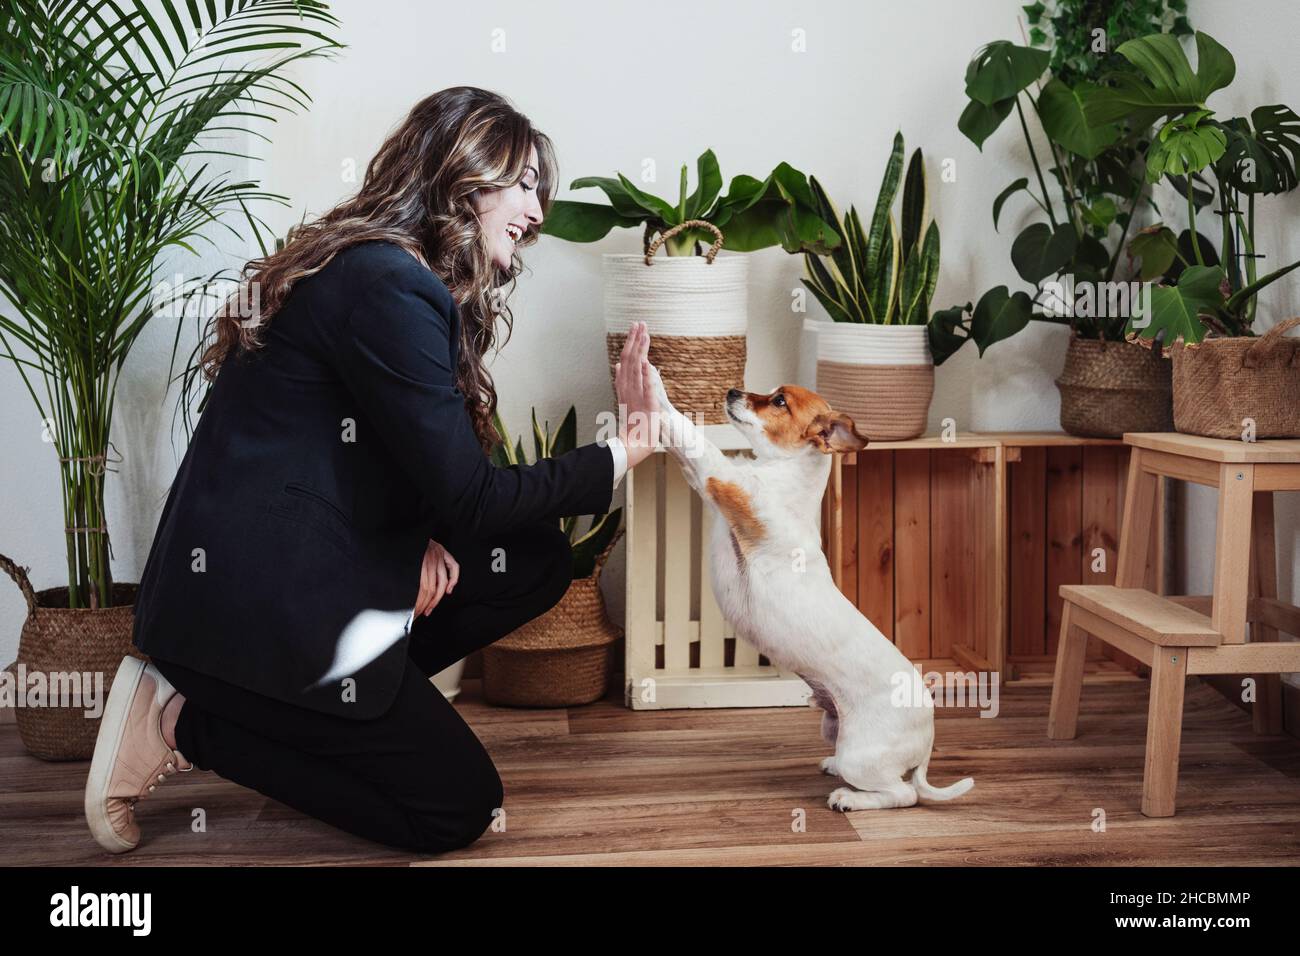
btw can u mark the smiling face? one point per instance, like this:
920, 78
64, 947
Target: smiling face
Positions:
790, 420
506, 214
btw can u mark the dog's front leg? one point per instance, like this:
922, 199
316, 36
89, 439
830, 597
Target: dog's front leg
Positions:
699, 458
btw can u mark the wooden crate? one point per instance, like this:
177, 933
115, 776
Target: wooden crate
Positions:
956, 550
679, 652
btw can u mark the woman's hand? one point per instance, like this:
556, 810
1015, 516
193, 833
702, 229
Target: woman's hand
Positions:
438, 576
638, 403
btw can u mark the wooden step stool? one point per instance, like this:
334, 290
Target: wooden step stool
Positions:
1194, 634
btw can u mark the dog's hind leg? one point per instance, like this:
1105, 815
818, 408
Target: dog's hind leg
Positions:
875, 782
822, 700
883, 796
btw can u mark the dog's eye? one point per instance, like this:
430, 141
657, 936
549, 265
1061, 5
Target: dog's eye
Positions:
779, 401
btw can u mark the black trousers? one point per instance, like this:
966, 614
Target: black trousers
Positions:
416, 777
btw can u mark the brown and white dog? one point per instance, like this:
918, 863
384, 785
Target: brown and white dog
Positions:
774, 585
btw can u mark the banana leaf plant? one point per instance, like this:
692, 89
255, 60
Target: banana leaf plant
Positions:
1220, 164
880, 276
102, 106
754, 214
587, 545
1089, 186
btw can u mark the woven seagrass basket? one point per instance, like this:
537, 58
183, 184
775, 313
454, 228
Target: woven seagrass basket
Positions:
559, 659
58, 642
1109, 388
1225, 387
881, 376
696, 311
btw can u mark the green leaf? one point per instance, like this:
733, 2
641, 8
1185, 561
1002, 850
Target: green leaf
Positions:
776, 211
619, 198
708, 183
1017, 186
1002, 69
881, 217
930, 253
1241, 296
604, 529
1040, 251
1164, 84
978, 122
948, 331
1184, 146
999, 315
665, 210
1176, 310
1101, 213
584, 221
915, 202
1263, 161
1156, 246
566, 436
1090, 255
883, 278
1061, 110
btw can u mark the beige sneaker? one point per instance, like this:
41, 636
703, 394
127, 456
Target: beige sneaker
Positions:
131, 757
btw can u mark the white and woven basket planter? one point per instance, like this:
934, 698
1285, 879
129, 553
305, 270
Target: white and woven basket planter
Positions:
697, 314
882, 376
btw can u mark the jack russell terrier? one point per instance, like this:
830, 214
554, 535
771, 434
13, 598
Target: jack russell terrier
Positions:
774, 585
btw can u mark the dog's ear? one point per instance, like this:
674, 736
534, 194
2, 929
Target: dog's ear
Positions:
834, 431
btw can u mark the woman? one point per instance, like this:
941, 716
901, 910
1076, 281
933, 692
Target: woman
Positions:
336, 511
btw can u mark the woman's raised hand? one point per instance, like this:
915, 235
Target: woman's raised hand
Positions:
638, 403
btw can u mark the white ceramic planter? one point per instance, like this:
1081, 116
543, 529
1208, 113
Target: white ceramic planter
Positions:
882, 376
697, 314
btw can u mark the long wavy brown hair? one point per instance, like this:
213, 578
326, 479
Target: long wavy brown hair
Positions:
417, 194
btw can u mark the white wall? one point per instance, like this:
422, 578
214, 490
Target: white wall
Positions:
615, 83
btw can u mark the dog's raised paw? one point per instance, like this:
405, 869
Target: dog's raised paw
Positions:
828, 766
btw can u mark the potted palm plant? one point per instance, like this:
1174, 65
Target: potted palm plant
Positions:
694, 303
562, 657
104, 173
1088, 192
873, 357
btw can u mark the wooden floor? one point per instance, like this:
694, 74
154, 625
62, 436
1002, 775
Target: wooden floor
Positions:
603, 784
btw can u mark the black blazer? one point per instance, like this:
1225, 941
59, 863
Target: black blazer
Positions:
320, 468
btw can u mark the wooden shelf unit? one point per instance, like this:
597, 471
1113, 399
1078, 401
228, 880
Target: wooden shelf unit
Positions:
956, 549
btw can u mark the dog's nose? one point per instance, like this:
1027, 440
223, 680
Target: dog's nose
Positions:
733, 394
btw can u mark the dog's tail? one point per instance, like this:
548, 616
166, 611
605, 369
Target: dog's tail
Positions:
927, 792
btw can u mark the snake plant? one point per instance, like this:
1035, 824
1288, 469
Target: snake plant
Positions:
885, 276
587, 545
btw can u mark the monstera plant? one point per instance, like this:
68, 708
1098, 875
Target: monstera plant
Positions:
1089, 186
1219, 165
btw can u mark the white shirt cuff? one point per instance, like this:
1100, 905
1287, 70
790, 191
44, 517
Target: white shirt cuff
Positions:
619, 451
